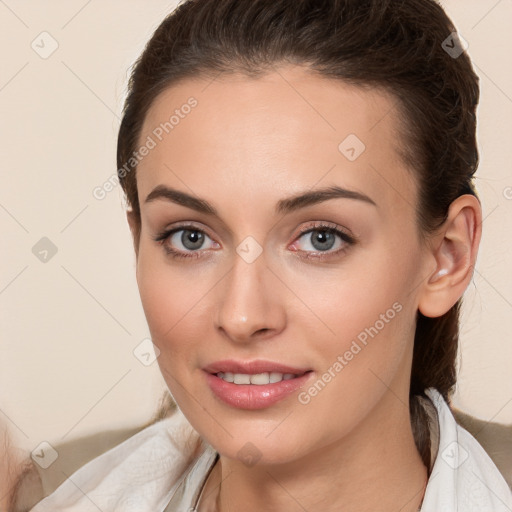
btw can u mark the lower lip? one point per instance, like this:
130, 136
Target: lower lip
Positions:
253, 396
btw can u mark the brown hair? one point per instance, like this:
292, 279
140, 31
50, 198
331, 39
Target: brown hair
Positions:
401, 46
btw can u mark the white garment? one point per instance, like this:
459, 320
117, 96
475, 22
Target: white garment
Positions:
156, 471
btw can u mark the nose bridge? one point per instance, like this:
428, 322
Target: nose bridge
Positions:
249, 302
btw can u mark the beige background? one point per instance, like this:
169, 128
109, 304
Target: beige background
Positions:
69, 325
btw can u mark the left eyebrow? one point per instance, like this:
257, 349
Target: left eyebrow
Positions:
283, 206
318, 196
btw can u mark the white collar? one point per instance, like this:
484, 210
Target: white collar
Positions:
163, 469
463, 478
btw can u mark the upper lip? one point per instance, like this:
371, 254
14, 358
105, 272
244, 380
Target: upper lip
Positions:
252, 367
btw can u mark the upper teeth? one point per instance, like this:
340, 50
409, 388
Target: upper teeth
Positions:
257, 378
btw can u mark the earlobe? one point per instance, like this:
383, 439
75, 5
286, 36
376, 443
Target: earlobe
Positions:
454, 250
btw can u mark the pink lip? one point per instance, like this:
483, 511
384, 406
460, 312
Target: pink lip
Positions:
252, 367
252, 396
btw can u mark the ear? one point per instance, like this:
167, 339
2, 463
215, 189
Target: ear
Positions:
134, 223
453, 256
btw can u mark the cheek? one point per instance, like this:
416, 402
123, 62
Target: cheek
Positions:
346, 299
175, 299
168, 298
363, 325
167, 307
156, 295
360, 343
360, 312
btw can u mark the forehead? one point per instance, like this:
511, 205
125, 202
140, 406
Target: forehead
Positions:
286, 130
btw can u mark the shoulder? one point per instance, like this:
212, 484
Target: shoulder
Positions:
463, 472
153, 458
495, 438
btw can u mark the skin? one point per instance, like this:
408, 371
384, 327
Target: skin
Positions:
248, 144
10, 467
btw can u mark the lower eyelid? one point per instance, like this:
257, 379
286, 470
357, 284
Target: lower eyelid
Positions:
325, 255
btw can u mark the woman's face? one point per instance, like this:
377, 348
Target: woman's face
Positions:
254, 276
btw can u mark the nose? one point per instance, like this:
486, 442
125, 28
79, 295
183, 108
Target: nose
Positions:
248, 304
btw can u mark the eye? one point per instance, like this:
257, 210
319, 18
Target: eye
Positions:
184, 241
319, 241
323, 240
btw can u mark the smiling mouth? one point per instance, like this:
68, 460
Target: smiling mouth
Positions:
258, 379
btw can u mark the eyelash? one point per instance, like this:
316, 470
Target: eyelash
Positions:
319, 226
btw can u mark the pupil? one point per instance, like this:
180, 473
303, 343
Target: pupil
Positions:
192, 239
322, 240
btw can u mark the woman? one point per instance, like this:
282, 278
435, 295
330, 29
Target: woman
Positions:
299, 177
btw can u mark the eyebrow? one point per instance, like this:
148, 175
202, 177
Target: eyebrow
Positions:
283, 206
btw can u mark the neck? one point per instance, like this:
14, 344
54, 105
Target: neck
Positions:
379, 455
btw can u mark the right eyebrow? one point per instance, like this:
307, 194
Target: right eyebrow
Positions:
182, 198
